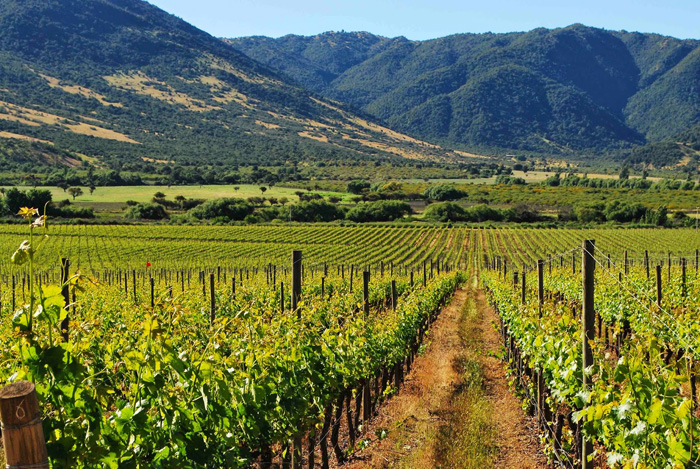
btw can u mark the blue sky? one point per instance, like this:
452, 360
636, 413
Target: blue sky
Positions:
426, 19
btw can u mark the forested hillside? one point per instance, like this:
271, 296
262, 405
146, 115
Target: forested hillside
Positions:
564, 91
122, 80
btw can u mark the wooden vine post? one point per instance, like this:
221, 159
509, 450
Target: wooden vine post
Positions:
153, 299
588, 322
212, 298
540, 377
646, 263
296, 281
540, 284
65, 265
281, 297
394, 296
22, 433
366, 393
658, 285
365, 293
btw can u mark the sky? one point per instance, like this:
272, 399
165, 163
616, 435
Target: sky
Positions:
428, 19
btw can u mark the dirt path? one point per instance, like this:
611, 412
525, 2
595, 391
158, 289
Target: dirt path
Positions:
518, 446
439, 419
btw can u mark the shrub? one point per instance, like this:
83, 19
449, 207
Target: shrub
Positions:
444, 212
146, 212
315, 211
382, 210
444, 192
229, 208
358, 187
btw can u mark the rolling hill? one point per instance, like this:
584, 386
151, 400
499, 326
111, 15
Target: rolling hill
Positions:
114, 81
573, 90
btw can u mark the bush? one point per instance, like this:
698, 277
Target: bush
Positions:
444, 192
146, 212
315, 211
444, 212
383, 210
34, 198
68, 211
479, 213
358, 187
228, 208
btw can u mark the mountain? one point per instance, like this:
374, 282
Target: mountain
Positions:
116, 81
573, 90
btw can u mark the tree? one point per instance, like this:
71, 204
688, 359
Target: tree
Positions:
625, 173
226, 209
75, 192
358, 187
383, 210
444, 192
263, 189
92, 188
158, 195
63, 185
283, 201
146, 212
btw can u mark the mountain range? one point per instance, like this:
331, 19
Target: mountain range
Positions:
114, 81
572, 90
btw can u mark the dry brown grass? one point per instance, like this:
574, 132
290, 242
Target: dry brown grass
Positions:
36, 118
141, 83
267, 125
312, 136
79, 90
469, 155
224, 94
23, 137
220, 64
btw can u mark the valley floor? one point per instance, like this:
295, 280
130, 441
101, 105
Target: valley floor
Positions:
455, 409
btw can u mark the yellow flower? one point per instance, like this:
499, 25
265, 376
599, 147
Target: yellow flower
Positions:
27, 213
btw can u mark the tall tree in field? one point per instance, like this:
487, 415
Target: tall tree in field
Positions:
75, 192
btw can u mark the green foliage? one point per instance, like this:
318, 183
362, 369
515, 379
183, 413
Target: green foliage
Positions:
228, 209
554, 91
382, 210
15, 199
191, 103
313, 211
615, 211
443, 192
358, 187
146, 212
445, 212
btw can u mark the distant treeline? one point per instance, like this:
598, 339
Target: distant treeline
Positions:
573, 180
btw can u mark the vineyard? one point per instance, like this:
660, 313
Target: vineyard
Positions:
192, 346
609, 365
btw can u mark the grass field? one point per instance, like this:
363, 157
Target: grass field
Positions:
112, 199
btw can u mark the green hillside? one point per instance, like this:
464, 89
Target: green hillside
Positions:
573, 90
117, 81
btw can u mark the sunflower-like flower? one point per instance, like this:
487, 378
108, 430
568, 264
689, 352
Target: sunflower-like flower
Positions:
27, 213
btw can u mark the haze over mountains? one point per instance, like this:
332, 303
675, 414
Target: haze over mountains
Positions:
574, 89
122, 79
